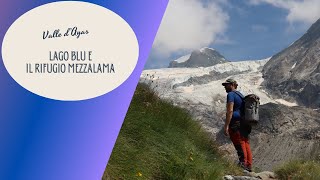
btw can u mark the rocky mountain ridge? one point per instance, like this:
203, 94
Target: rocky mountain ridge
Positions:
294, 73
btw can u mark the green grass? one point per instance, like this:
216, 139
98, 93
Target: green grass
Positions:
161, 141
299, 169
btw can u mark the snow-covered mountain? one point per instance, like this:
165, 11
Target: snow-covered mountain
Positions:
199, 90
199, 58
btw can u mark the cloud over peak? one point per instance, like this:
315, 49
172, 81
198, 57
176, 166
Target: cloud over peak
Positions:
190, 24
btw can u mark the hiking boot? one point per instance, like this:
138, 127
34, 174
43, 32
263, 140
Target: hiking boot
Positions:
242, 165
247, 168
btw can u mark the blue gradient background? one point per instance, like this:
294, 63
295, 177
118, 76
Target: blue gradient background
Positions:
47, 139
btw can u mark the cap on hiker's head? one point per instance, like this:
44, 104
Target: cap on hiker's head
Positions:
229, 81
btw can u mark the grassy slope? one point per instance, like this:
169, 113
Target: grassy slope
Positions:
160, 141
299, 169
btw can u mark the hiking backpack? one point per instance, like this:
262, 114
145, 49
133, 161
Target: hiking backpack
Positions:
249, 110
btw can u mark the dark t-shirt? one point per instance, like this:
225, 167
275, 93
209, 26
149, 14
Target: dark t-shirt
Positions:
237, 101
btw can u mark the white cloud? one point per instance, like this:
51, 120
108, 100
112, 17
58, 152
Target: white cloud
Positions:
299, 11
190, 24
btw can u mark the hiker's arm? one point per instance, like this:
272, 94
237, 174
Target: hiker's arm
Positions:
228, 116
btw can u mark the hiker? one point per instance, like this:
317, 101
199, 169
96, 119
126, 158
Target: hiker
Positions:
237, 131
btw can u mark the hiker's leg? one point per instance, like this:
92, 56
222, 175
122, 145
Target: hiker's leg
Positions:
245, 130
247, 152
235, 138
249, 155
244, 149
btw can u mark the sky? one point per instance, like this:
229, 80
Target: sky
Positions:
238, 29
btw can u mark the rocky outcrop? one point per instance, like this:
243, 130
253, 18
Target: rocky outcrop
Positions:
204, 57
299, 122
265, 175
294, 73
285, 133
229, 177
